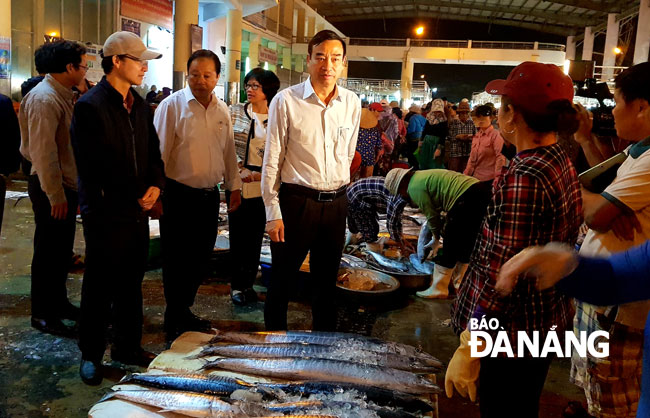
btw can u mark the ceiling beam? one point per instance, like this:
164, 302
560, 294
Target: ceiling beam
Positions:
602, 7
563, 18
541, 27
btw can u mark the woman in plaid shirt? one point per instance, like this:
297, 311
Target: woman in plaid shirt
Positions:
536, 200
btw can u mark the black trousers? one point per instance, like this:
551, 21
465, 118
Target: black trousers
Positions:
53, 243
511, 387
464, 221
188, 232
3, 193
246, 226
116, 257
309, 226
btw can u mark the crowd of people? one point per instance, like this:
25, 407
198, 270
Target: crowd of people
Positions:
304, 164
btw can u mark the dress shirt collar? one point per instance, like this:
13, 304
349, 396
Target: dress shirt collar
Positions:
189, 96
308, 91
66, 93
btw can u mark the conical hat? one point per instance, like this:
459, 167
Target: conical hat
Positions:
368, 120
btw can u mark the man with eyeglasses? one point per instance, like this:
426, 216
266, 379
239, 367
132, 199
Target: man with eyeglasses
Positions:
120, 178
45, 115
310, 144
198, 148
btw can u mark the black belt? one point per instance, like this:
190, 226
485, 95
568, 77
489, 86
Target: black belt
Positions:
170, 183
318, 195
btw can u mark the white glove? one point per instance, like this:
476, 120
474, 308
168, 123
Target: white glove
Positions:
549, 264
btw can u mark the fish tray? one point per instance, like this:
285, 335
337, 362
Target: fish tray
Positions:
368, 296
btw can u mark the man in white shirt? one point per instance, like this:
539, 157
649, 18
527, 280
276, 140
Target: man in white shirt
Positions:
618, 218
198, 149
311, 139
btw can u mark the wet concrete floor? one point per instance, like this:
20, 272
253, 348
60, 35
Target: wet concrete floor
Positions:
39, 372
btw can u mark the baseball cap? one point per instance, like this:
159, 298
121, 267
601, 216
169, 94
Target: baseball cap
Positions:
128, 43
532, 86
463, 107
394, 104
376, 107
383, 102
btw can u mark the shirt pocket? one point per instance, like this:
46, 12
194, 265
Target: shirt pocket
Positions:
342, 136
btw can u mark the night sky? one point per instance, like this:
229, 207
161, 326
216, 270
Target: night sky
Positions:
452, 80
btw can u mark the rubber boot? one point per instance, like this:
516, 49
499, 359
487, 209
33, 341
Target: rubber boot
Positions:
439, 288
459, 273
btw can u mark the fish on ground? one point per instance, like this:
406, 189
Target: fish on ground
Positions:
395, 265
298, 350
332, 370
339, 339
199, 383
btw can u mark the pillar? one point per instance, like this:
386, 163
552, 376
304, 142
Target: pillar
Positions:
570, 48
311, 27
300, 27
642, 44
300, 63
588, 44
5, 32
233, 55
286, 8
406, 80
38, 27
254, 50
186, 13
611, 41
286, 58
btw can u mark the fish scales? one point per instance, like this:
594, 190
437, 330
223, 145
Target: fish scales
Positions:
199, 383
186, 403
333, 370
339, 339
396, 361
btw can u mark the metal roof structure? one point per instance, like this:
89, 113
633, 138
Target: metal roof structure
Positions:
559, 17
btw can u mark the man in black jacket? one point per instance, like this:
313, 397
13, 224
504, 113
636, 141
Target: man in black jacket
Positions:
9, 147
120, 178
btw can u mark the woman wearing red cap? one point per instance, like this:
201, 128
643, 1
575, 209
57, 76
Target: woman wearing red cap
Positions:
536, 200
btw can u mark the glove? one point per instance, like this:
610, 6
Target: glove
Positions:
462, 371
548, 263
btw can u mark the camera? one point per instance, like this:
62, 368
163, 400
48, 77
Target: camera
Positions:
603, 122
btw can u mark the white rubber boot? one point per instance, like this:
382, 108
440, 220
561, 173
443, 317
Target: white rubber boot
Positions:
439, 288
459, 273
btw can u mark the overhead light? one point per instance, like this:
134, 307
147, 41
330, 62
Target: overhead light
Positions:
53, 34
617, 50
421, 75
419, 30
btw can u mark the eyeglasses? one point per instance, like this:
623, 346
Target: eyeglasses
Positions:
142, 62
253, 87
85, 67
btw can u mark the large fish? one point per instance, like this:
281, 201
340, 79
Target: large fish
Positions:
199, 383
332, 370
339, 339
389, 263
396, 361
380, 396
186, 403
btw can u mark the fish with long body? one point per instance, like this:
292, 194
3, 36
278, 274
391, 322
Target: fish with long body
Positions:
291, 350
339, 339
389, 263
199, 383
315, 405
186, 403
332, 370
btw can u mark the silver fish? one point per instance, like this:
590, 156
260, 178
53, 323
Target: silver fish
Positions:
339, 339
332, 370
186, 403
384, 261
356, 355
199, 383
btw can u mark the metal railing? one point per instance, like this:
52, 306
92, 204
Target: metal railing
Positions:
257, 19
437, 43
377, 42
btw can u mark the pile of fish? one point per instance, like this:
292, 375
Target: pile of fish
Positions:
323, 375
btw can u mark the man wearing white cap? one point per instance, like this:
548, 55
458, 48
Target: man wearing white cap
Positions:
120, 177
